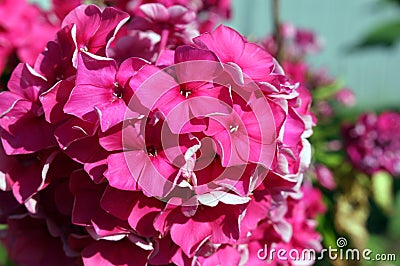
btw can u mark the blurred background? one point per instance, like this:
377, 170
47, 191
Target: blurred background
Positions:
373, 73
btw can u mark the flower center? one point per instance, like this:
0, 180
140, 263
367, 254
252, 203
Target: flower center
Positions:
233, 128
117, 91
185, 93
151, 151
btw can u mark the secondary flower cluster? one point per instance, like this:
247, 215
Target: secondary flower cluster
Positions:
327, 94
373, 144
133, 143
25, 30
297, 44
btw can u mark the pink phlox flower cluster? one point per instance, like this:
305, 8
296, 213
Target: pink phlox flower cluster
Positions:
192, 154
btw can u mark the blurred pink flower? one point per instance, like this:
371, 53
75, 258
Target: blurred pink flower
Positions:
372, 144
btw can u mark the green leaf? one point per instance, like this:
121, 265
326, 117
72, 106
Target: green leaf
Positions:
382, 191
3, 257
394, 222
326, 92
396, 2
385, 35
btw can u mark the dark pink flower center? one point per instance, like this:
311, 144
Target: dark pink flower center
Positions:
233, 128
185, 92
151, 151
117, 91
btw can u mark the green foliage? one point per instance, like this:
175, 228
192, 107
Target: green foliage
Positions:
386, 35
397, 2
3, 257
382, 186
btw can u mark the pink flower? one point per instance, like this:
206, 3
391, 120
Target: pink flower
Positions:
181, 99
307, 41
62, 8
25, 31
101, 90
345, 97
21, 116
113, 160
95, 29
235, 50
325, 177
242, 135
174, 24
213, 224
160, 152
371, 144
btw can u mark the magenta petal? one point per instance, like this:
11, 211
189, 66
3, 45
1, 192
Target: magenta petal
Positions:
26, 82
294, 128
87, 20
123, 209
155, 176
24, 249
209, 106
234, 148
181, 15
86, 150
54, 99
155, 11
226, 255
143, 214
128, 68
6, 164
119, 175
96, 70
165, 58
196, 64
149, 84
14, 108
284, 229
164, 250
253, 53
96, 168
94, 84
112, 139
29, 180
112, 20
87, 195
200, 231
31, 135
178, 116
132, 136
72, 130
8, 101
227, 50
84, 98
111, 113
108, 253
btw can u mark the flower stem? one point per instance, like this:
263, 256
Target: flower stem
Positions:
163, 41
277, 30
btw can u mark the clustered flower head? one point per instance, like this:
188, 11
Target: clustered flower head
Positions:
132, 140
372, 143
